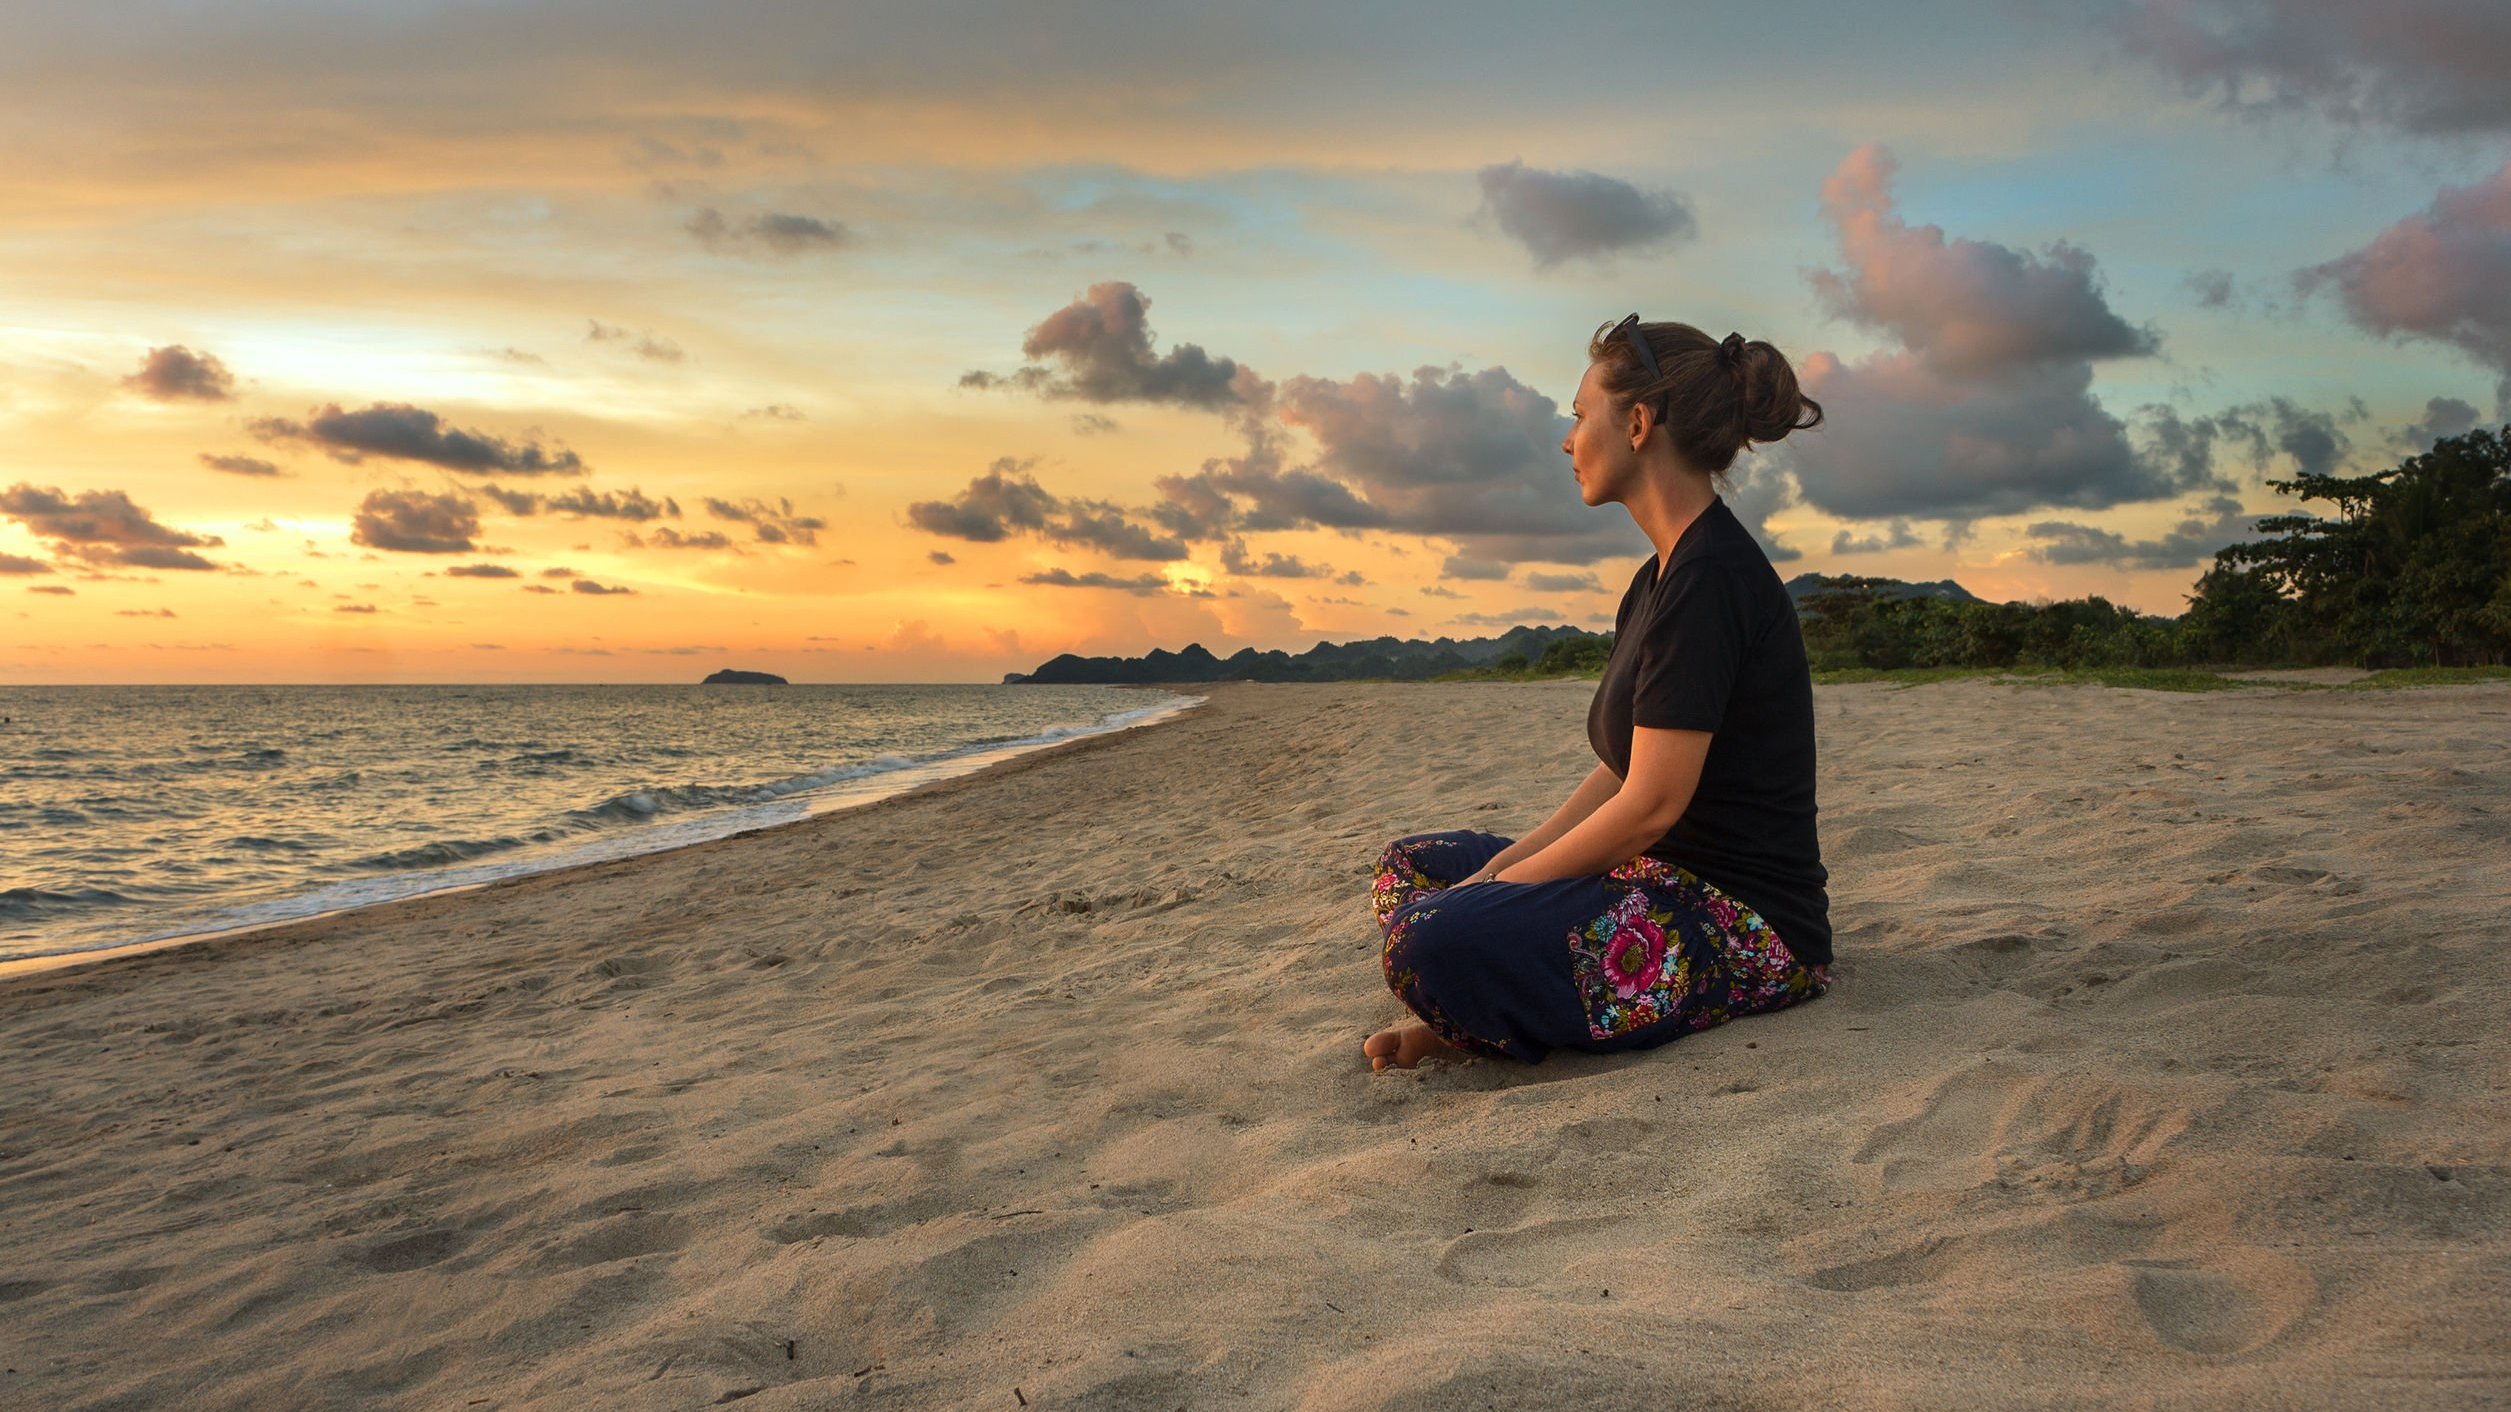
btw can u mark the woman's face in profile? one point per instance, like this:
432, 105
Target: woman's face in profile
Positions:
1599, 449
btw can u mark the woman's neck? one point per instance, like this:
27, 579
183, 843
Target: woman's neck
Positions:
1665, 503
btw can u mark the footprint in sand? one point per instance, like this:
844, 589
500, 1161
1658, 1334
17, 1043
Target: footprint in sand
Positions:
1539, 1252
2218, 1311
2069, 1137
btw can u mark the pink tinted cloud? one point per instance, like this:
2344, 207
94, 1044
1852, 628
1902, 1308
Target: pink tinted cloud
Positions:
1987, 406
1967, 306
2443, 273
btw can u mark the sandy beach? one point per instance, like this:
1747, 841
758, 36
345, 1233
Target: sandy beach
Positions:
2167, 1066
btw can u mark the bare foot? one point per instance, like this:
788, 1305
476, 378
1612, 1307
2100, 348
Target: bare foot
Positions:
1404, 1046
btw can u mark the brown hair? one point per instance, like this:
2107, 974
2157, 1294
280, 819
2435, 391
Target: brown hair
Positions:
1711, 407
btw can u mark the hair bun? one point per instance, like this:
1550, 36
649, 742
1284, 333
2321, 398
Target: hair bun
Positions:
1731, 350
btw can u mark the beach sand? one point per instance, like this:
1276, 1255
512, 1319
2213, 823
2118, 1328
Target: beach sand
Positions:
2166, 1066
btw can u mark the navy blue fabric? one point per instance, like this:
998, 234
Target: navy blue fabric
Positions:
1489, 967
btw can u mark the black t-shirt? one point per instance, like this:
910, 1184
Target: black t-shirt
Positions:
1713, 646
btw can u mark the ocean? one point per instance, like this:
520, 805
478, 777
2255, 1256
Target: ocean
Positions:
133, 814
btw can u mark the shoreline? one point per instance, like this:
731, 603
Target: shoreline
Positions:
840, 803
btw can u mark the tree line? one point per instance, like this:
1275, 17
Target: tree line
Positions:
2413, 570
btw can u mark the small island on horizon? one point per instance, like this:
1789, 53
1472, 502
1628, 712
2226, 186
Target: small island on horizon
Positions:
733, 677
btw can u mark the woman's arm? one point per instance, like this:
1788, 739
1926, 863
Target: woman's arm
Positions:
1599, 785
1664, 770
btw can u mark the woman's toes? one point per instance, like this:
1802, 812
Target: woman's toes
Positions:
1382, 1046
1402, 1046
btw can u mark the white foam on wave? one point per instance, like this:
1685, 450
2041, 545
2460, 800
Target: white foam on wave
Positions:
783, 801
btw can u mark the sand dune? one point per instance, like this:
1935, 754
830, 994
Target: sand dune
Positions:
2167, 1066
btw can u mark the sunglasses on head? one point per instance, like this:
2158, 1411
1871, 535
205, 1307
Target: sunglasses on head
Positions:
1629, 327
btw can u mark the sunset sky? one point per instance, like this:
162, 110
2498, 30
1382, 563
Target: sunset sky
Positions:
396, 341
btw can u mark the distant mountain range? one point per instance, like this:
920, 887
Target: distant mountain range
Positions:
1403, 659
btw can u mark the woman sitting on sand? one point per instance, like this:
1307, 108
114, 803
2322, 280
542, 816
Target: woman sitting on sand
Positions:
1681, 883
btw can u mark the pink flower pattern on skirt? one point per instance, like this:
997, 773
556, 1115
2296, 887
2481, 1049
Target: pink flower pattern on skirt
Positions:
1661, 899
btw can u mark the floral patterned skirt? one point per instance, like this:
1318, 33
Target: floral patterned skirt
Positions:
1641, 955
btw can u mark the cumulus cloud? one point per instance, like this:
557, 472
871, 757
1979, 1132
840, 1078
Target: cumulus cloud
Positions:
175, 373
1007, 500
776, 412
769, 524
2420, 66
1102, 349
774, 232
240, 465
2279, 425
2194, 540
668, 538
1986, 407
1911, 442
1968, 308
1065, 578
19, 564
55, 590
942, 557
630, 504
1471, 456
2443, 417
481, 571
1563, 583
513, 502
1236, 559
1097, 524
103, 527
1580, 215
583, 502
598, 589
1897, 536
2442, 274
1259, 491
399, 431
416, 522
638, 341
1465, 566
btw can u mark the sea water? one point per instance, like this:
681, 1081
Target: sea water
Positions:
135, 813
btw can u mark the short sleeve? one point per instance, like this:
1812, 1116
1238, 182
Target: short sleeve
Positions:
1692, 651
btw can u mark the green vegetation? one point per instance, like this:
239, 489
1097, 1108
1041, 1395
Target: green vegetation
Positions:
2415, 571
1573, 654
